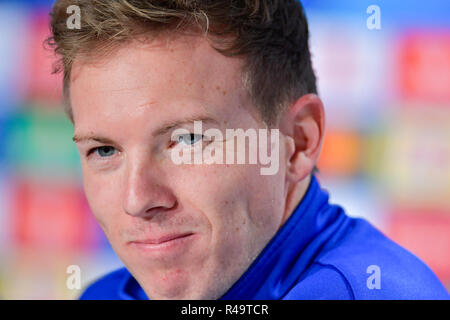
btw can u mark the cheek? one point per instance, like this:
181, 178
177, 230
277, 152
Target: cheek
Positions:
264, 206
214, 192
237, 200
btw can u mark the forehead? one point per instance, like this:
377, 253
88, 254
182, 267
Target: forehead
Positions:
179, 68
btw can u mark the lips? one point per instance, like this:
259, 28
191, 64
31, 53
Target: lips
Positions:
163, 239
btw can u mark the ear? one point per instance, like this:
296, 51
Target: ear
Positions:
303, 126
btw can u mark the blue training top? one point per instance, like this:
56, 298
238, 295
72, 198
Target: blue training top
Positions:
319, 253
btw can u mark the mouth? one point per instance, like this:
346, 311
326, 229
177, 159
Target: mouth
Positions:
163, 239
164, 243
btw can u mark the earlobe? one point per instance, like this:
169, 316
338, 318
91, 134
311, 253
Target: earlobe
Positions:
300, 165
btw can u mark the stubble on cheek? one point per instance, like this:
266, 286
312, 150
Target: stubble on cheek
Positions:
232, 239
254, 219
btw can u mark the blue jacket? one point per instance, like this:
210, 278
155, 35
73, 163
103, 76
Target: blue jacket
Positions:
319, 253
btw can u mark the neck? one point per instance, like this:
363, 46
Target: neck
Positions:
294, 195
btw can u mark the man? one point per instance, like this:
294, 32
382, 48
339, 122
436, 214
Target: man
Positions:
138, 77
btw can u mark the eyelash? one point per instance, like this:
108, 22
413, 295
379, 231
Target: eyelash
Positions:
97, 148
172, 143
91, 151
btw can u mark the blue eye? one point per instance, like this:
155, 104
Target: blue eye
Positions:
189, 139
104, 152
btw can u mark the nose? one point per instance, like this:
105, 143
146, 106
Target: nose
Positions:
146, 193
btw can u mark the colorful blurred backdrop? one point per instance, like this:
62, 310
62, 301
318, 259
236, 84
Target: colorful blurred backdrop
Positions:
386, 157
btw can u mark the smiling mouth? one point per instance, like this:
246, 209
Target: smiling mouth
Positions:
163, 239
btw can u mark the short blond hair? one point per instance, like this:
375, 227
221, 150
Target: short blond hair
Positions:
272, 36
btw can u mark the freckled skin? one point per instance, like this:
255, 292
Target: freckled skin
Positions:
232, 209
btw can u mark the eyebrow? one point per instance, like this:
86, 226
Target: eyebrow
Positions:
171, 125
161, 131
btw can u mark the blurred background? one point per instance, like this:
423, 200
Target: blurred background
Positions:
386, 88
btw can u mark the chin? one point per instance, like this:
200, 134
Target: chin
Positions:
173, 291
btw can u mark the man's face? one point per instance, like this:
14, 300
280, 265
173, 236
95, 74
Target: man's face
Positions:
218, 216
